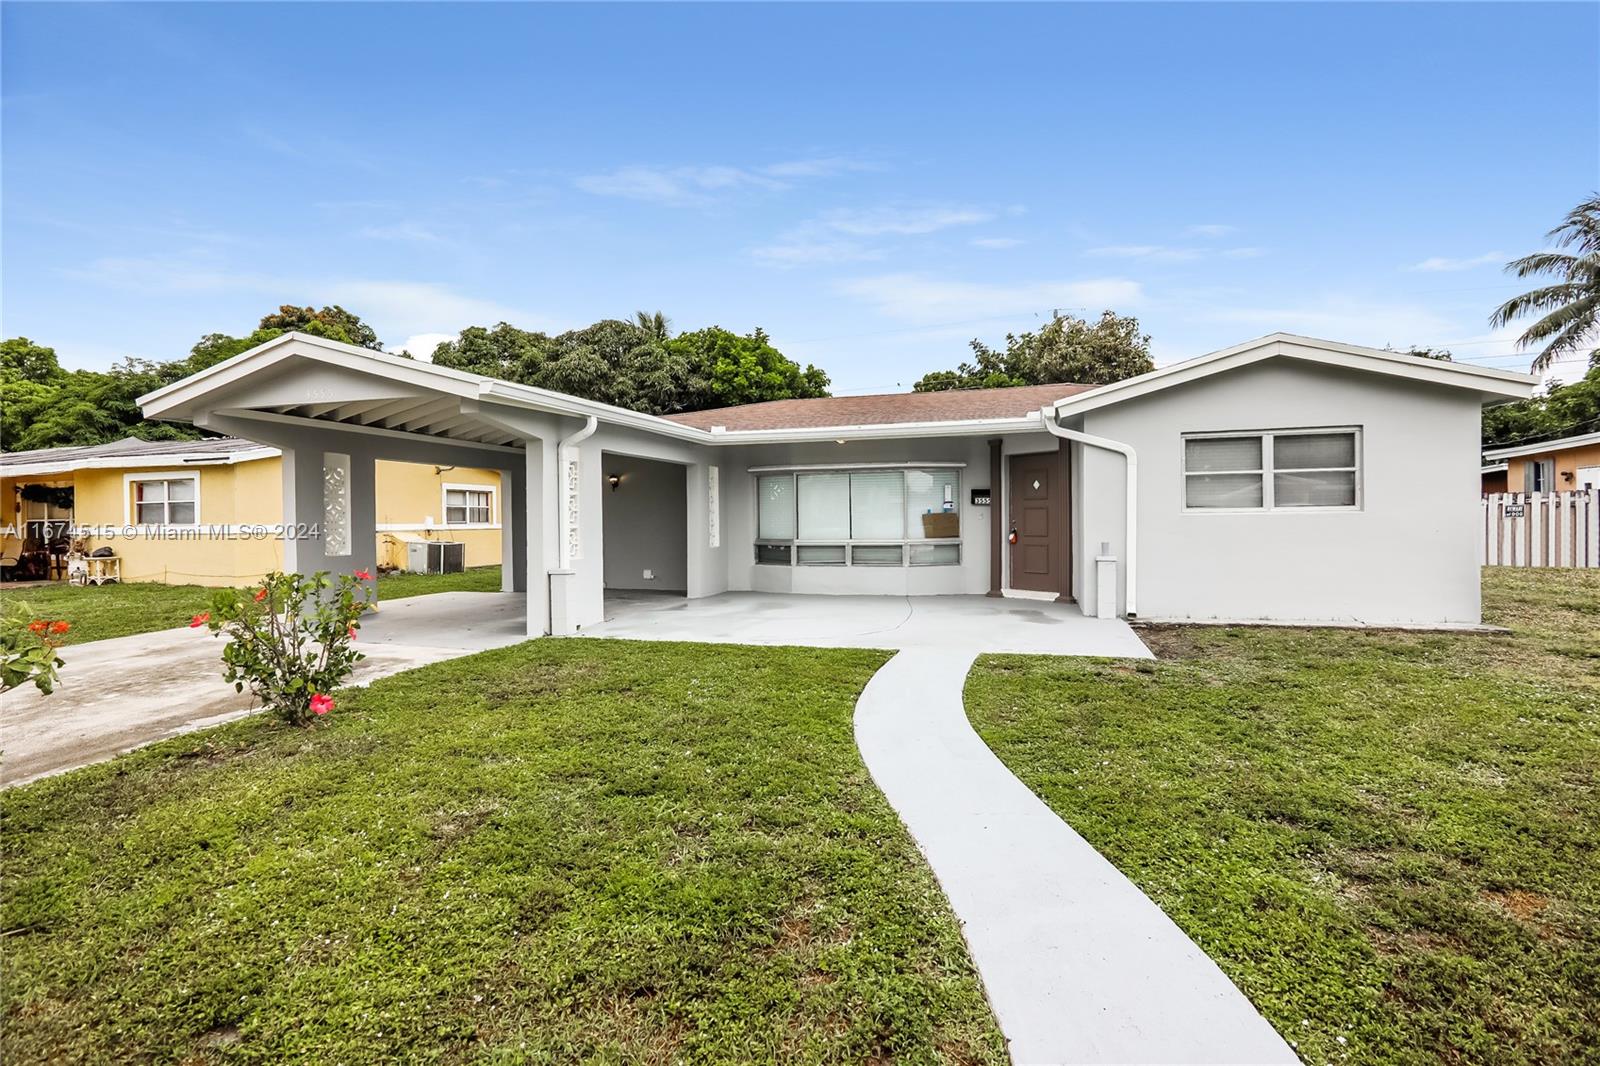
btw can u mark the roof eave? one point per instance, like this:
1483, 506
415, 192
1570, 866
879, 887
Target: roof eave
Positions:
1559, 444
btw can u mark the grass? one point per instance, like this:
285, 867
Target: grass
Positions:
565, 850
97, 613
1390, 841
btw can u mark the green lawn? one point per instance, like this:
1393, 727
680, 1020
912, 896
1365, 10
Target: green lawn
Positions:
1390, 841
561, 851
143, 607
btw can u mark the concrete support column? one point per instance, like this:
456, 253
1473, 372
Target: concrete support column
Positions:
302, 510
311, 542
543, 529
510, 502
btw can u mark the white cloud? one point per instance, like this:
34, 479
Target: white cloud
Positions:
903, 221
1440, 263
407, 232
1211, 229
682, 186
835, 236
422, 345
918, 298
393, 308
1166, 253
1155, 252
802, 246
1354, 321
997, 242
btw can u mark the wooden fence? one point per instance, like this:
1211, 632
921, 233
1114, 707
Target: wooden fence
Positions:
1541, 529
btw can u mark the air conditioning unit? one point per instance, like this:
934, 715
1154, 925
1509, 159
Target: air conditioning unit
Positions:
436, 557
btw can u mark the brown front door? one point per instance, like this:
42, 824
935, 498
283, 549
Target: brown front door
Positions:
1037, 495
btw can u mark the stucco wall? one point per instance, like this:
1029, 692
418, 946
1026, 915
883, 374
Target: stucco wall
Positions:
251, 494
1407, 555
645, 527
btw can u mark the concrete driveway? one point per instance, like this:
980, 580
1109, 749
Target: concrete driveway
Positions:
115, 695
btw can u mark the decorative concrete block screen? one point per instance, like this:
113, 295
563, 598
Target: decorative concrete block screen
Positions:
1560, 529
335, 503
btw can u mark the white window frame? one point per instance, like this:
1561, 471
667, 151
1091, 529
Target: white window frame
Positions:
130, 513
1269, 504
849, 544
444, 505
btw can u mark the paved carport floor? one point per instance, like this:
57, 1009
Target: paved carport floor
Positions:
119, 694
969, 623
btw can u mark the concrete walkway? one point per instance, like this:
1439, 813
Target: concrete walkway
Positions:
1079, 965
116, 695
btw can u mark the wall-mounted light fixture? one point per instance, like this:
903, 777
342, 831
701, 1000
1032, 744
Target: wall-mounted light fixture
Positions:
615, 479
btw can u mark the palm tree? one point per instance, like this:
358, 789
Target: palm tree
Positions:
1570, 305
658, 326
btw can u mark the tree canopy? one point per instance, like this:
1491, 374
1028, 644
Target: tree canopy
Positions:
47, 407
1561, 411
1066, 350
637, 364
1569, 309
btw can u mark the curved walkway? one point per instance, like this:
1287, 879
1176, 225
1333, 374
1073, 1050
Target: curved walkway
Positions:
1079, 965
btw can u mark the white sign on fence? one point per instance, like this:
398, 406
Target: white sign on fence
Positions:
1541, 529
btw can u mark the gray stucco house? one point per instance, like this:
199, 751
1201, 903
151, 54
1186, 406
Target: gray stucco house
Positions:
1285, 479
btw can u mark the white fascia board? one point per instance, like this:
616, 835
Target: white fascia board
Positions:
346, 356
986, 427
1557, 445
1485, 380
62, 466
1494, 468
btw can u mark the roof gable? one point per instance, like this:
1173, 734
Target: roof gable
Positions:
1487, 381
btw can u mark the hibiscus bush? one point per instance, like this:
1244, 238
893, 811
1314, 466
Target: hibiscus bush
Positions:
291, 638
28, 649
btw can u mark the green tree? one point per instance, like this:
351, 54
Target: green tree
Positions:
1568, 308
334, 323
1560, 411
728, 368
1066, 350
637, 364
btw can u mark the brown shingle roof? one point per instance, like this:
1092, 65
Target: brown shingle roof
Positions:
884, 409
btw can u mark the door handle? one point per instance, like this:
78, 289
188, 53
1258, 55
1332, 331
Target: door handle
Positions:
1011, 538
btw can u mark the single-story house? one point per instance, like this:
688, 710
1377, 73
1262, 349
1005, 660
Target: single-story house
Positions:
1560, 465
1275, 480
210, 512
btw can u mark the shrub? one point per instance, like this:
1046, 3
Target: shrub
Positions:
291, 638
28, 649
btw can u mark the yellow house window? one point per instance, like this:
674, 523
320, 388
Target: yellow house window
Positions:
464, 507
165, 502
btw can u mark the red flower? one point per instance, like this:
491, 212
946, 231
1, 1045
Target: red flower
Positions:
351, 632
200, 619
261, 594
60, 627
321, 704
363, 575
38, 625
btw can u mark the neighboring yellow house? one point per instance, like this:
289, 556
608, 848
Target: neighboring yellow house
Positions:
1548, 466
209, 512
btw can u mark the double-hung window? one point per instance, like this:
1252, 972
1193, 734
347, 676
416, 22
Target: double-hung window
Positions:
1272, 471
888, 516
468, 507
165, 502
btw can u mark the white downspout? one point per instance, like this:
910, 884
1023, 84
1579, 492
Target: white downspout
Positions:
1048, 416
564, 501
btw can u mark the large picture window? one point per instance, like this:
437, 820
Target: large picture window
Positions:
1280, 470
889, 516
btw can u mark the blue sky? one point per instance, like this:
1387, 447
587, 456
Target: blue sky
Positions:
873, 185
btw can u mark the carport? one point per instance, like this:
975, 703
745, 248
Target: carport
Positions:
334, 410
